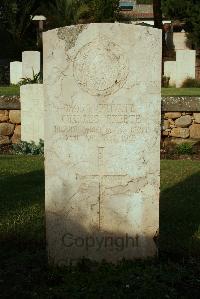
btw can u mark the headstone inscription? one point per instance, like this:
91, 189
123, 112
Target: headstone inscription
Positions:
102, 141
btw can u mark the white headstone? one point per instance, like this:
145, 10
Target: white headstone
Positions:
32, 112
185, 65
15, 72
170, 71
30, 63
180, 41
102, 141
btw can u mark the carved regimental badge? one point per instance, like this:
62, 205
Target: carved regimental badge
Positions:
100, 67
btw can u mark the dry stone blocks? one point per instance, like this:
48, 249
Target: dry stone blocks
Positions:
180, 132
4, 115
16, 138
15, 116
183, 121
195, 131
4, 140
172, 115
197, 118
6, 129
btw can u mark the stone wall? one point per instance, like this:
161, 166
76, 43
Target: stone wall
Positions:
10, 120
180, 119
181, 125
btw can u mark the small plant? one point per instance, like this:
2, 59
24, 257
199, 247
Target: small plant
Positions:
184, 149
165, 81
26, 148
37, 78
190, 82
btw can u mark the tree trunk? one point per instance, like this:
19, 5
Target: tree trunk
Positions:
159, 24
157, 14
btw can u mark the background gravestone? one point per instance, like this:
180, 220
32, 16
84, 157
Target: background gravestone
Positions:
32, 112
102, 141
15, 72
185, 65
30, 64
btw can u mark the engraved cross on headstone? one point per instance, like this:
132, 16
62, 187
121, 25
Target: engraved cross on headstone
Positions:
101, 175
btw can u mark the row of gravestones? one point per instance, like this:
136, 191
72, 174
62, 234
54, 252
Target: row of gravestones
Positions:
30, 66
102, 151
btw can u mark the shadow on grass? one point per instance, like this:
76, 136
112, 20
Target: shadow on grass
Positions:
180, 218
22, 234
22, 213
22, 208
24, 271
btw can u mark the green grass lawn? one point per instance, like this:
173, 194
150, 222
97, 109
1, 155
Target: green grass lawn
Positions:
172, 91
9, 90
15, 90
23, 263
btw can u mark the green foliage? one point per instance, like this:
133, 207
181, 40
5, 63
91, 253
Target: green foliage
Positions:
84, 13
184, 149
187, 11
103, 10
144, 1
17, 28
16, 22
66, 12
37, 79
61, 12
190, 82
2, 75
26, 148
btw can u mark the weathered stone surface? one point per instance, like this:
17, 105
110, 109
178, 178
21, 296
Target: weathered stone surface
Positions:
4, 140
181, 104
183, 121
15, 116
6, 129
197, 118
171, 122
172, 115
30, 63
15, 72
195, 131
4, 115
180, 41
165, 133
32, 112
170, 71
165, 124
102, 149
185, 65
16, 138
180, 132
9, 102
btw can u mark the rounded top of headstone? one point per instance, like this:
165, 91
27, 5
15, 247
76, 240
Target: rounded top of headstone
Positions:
100, 67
